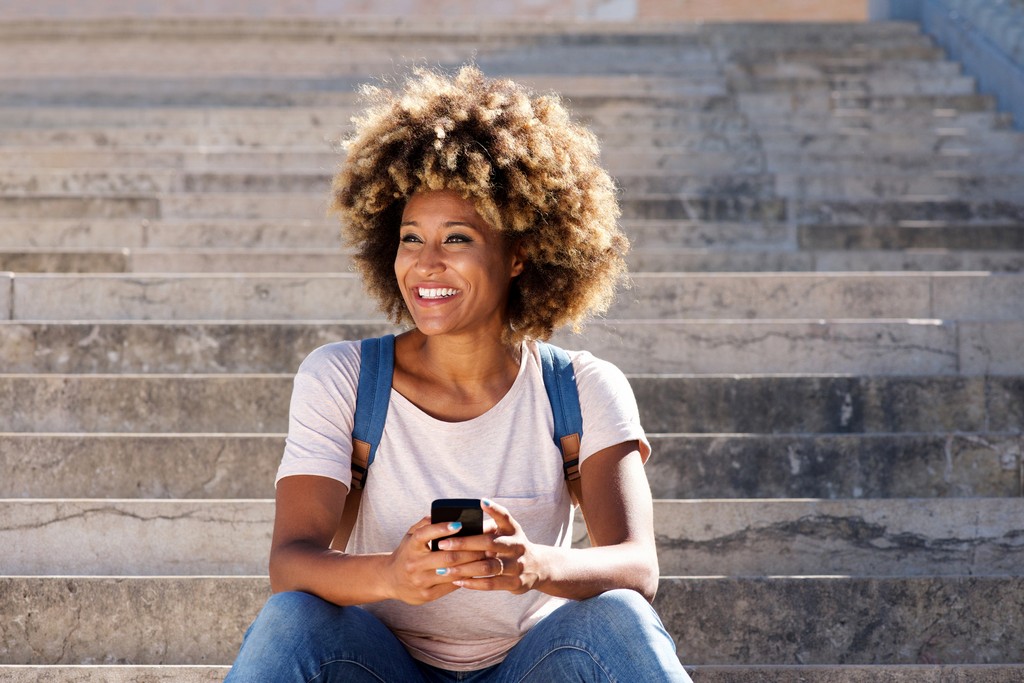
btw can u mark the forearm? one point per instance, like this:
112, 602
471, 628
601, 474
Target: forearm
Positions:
580, 573
332, 575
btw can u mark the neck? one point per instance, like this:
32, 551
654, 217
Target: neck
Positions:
463, 361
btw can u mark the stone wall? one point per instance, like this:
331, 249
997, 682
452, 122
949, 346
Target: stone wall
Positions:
618, 10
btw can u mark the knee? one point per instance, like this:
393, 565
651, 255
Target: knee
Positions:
621, 609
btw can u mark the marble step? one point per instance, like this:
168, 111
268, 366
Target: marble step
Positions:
708, 404
916, 235
952, 296
979, 183
995, 249
684, 466
811, 620
874, 85
772, 104
92, 126
922, 673
828, 184
926, 141
81, 231
313, 206
962, 210
879, 347
160, 181
867, 537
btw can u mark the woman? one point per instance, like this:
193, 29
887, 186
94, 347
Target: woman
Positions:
479, 215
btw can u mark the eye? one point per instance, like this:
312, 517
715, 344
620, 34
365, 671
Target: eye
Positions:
409, 238
457, 238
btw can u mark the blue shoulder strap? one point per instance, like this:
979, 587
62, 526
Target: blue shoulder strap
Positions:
376, 369
560, 385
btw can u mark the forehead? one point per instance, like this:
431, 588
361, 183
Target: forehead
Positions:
445, 203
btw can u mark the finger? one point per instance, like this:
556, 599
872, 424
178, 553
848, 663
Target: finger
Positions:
490, 568
501, 516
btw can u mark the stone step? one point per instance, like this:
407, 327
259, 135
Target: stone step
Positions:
967, 296
945, 162
711, 404
881, 347
200, 620
827, 184
318, 232
910, 211
948, 673
868, 537
685, 466
997, 249
841, 67
872, 86
718, 259
154, 126
913, 235
927, 140
48, 182
781, 104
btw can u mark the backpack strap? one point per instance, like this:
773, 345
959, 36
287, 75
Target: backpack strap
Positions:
560, 385
373, 393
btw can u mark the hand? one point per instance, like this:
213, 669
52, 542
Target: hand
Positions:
510, 561
413, 570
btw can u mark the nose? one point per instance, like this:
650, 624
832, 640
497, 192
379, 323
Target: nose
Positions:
430, 259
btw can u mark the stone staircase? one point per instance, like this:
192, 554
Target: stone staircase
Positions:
824, 331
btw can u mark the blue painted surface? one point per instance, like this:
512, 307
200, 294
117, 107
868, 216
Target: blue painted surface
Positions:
986, 37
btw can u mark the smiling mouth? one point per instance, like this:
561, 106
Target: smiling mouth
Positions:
436, 293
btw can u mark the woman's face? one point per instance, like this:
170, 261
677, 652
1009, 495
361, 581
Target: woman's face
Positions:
453, 268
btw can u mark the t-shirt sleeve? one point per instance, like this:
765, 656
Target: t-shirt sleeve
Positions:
610, 413
320, 417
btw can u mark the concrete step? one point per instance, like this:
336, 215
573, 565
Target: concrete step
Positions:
145, 181
880, 347
835, 142
914, 235
828, 184
968, 296
867, 537
780, 104
949, 673
965, 211
874, 85
200, 620
854, 248
711, 404
841, 67
685, 466
319, 232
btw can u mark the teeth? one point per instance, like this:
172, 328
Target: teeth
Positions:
439, 293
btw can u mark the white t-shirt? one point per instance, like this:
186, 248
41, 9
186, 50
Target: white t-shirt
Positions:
507, 454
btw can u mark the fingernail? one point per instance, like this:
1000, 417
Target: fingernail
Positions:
444, 545
486, 502
455, 526
441, 571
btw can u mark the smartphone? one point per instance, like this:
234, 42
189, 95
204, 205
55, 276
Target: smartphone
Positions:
465, 510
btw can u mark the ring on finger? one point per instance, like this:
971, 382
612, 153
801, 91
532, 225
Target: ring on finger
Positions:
501, 566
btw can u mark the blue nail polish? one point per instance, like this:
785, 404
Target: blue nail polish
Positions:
455, 526
441, 571
486, 503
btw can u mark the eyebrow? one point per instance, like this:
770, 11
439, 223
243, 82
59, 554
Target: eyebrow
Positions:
446, 224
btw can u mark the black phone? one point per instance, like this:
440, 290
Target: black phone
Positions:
465, 510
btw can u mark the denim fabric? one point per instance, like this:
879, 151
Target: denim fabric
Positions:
613, 637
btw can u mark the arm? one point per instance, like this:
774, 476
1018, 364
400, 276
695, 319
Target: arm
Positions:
307, 516
619, 514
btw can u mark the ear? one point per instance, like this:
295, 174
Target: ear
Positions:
518, 258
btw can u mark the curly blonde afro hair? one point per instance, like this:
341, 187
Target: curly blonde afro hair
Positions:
529, 170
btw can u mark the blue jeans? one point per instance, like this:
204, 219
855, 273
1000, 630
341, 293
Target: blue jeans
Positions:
615, 636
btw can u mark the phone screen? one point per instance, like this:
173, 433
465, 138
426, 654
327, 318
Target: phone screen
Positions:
465, 510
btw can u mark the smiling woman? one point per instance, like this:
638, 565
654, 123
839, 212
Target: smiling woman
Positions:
479, 216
